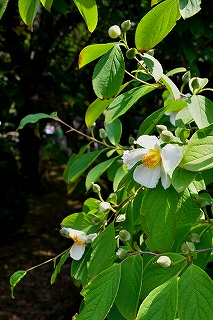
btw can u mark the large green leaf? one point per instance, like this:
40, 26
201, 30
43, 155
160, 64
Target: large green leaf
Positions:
181, 178
97, 171
114, 131
148, 126
88, 10
103, 253
28, 10
161, 303
122, 103
3, 6
201, 110
47, 4
97, 107
108, 73
100, 294
79, 221
189, 8
154, 274
195, 298
158, 208
130, 286
93, 52
79, 267
199, 152
157, 23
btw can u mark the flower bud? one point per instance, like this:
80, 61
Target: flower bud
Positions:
194, 237
96, 220
131, 140
186, 77
151, 52
160, 128
112, 198
164, 261
185, 248
102, 134
166, 136
121, 218
131, 53
104, 206
96, 188
124, 235
126, 25
114, 32
64, 232
121, 253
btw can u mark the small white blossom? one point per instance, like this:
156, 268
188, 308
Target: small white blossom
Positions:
164, 261
156, 162
80, 240
114, 32
104, 206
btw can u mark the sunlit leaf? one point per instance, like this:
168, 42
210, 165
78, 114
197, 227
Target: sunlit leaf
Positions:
28, 10
201, 110
15, 278
3, 6
47, 4
88, 10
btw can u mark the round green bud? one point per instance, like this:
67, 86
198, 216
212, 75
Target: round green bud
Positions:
185, 248
131, 53
121, 253
126, 25
194, 237
104, 206
112, 198
124, 235
131, 140
164, 261
102, 133
96, 220
186, 77
96, 188
114, 32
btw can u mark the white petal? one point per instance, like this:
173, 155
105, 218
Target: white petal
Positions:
164, 178
91, 237
148, 142
173, 117
73, 232
132, 157
148, 177
77, 251
171, 156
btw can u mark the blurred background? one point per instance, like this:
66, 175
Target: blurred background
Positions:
39, 73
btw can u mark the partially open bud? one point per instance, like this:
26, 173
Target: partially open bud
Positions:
160, 128
112, 198
194, 237
126, 25
124, 235
131, 53
104, 206
164, 261
96, 188
166, 136
64, 232
121, 218
121, 253
114, 32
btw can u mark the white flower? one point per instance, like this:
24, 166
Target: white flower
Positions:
114, 31
80, 239
104, 206
164, 261
156, 163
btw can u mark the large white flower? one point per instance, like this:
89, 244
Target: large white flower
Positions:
80, 240
156, 163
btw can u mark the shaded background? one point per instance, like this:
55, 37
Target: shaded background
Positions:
39, 73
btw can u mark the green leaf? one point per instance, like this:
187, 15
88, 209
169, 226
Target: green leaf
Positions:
121, 172
174, 105
153, 65
32, 118
88, 10
103, 253
172, 88
195, 299
181, 178
130, 286
92, 52
97, 107
161, 303
80, 221
148, 126
15, 278
158, 208
188, 8
79, 267
28, 10
114, 314
157, 23
183, 117
199, 151
58, 266
81, 164
175, 71
201, 110
197, 84
155, 275
108, 73
114, 131
122, 103
3, 6
97, 171
47, 4
100, 294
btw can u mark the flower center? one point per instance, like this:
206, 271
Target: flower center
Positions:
151, 159
77, 241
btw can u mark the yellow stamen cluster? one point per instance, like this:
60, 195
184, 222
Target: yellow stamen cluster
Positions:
77, 241
151, 159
